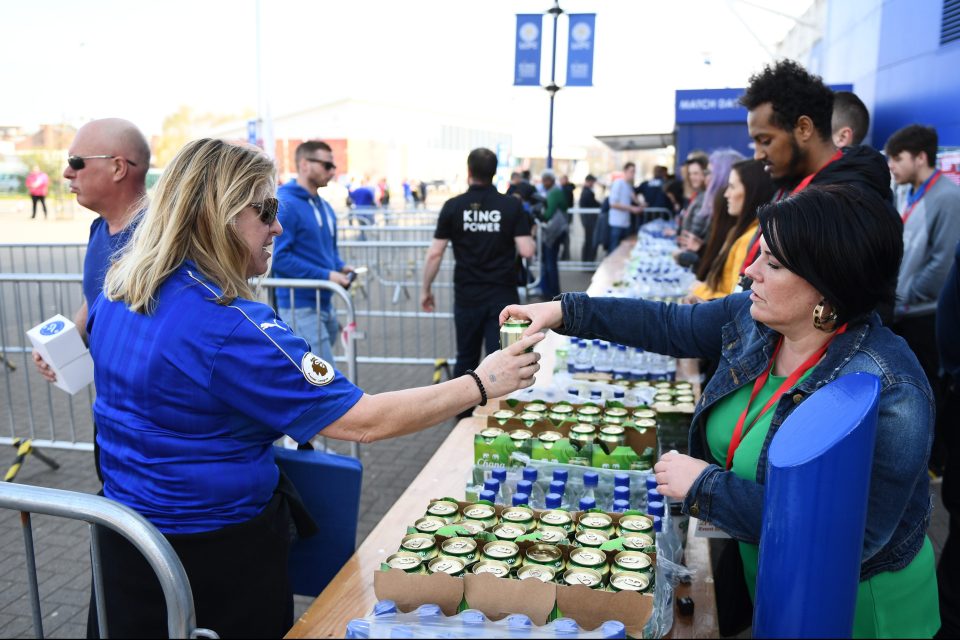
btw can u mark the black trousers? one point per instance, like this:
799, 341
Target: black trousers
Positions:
948, 570
589, 222
920, 334
43, 201
478, 325
238, 576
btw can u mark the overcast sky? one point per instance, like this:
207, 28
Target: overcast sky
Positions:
76, 60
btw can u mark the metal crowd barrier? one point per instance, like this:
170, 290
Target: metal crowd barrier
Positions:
96, 510
34, 408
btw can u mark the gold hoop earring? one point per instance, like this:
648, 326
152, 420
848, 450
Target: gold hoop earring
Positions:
821, 322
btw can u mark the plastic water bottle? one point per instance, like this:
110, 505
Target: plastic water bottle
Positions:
500, 475
573, 391
520, 498
671, 369
638, 369
537, 494
621, 363
581, 361
619, 506
596, 395
621, 493
591, 482
603, 362
554, 500
587, 503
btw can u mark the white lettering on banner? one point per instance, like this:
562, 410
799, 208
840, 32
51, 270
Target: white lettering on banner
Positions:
708, 104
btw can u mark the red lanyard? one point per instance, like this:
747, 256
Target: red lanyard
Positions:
922, 191
740, 433
806, 181
752, 253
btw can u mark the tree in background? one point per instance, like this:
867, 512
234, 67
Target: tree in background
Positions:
185, 125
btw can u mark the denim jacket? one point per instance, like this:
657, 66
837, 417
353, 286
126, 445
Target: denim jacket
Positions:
724, 331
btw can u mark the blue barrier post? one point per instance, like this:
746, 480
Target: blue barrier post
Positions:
815, 511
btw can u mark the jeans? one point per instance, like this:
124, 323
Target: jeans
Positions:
320, 332
550, 271
477, 326
616, 235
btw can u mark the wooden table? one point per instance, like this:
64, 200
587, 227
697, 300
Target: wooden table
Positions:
350, 594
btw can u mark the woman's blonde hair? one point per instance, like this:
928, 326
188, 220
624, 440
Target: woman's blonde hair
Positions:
191, 216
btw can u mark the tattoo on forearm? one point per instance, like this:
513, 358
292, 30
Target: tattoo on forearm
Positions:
493, 378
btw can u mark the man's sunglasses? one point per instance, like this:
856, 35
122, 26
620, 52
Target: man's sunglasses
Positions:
78, 162
267, 210
329, 166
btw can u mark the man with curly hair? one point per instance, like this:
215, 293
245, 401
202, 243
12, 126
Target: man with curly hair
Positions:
790, 113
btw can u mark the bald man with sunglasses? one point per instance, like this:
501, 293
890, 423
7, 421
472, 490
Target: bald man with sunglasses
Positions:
107, 169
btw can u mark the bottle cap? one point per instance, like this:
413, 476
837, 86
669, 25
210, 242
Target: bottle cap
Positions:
561, 475
520, 498
620, 505
621, 493
621, 480
519, 621
657, 524
655, 509
651, 482
619, 395
491, 484
596, 394
557, 487
654, 496
499, 474
489, 496
591, 479
554, 500
587, 503
524, 486
573, 391
530, 473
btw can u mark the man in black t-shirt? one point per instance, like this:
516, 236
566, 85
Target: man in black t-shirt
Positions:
488, 230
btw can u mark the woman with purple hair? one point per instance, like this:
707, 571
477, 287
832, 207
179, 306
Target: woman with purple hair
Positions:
696, 229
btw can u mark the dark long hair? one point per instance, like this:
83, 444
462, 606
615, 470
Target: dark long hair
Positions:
840, 239
758, 190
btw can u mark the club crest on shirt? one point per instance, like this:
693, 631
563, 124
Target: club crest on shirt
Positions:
316, 370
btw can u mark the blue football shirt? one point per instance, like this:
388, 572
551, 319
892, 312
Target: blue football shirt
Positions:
191, 398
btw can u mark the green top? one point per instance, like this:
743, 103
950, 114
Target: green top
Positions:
891, 604
556, 201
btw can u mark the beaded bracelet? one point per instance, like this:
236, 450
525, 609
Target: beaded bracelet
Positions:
483, 392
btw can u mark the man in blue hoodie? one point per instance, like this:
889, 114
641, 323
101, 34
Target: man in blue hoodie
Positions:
307, 248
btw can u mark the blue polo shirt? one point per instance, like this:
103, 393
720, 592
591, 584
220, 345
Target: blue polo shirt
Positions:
191, 397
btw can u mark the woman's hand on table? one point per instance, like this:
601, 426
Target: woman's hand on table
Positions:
509, 369
676, 473
542, 316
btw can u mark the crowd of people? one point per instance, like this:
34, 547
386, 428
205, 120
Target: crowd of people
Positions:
806, 271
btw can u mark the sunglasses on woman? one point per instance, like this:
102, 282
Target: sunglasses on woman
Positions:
79, 162
267, 210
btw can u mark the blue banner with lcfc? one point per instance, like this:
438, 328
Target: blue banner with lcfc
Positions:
580, 50
526, 72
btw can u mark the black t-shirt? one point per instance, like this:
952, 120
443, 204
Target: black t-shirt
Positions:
482, 224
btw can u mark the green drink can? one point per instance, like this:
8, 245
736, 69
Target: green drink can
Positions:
586, 558
556, 518
463, 548
637, 542
521, 517
508, 532
633, 561
503, 415
484, 514
553, 535
545, 555
407, 562
534, 571
422, 544
584, 576
590, 539
494, 567
512, 332
447, 564
502, 551
626, 581
589, 414
632, 525
429, 524
448, 511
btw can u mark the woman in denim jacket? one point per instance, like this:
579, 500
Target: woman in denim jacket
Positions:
829, 256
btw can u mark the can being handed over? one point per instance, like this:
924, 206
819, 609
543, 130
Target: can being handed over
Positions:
512, 331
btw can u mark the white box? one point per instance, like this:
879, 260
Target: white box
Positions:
58, 342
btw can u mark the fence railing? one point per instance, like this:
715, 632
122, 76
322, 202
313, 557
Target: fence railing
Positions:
96, 510
51, 418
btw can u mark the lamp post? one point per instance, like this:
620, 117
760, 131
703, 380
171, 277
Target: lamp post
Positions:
552, 88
